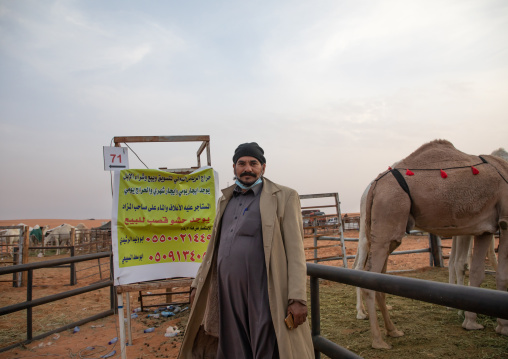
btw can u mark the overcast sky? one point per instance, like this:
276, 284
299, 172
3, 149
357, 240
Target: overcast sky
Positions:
334, 91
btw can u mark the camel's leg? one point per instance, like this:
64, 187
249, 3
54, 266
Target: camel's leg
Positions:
389, 326
502, 271
492, 253
458, 259
388, 221
469, 254
361, 312
57, 243
378, 258
477, 275
383, 308
375, 265
361, 256
452, 276
377, 340
45, 242
461, 247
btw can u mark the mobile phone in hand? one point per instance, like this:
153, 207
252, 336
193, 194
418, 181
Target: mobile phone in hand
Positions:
290, 321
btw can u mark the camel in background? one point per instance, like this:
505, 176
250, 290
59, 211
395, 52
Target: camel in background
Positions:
60, 236
462, 251
448, 193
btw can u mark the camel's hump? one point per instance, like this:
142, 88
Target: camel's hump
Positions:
438, 154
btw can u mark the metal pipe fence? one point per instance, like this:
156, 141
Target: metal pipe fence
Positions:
30, 303
479, 300
432, 261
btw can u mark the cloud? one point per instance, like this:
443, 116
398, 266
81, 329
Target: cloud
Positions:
334, 91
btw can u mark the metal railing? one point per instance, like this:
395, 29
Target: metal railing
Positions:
434, 249
31, 303
479, 300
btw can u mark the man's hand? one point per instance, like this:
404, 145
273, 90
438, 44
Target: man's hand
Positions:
299, 312
192, 295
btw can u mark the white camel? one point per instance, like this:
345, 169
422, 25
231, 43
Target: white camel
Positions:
460, 256
11, 237
59, 235
462, 252
36, 239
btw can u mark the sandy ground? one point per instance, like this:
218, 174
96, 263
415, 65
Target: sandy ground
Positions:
90, 223
91, 341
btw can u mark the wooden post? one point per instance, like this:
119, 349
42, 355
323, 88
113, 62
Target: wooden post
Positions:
128, 317
100, 269
140, 299
121, 324
15, 276
74, 278
24, 254
73, 236
169, 297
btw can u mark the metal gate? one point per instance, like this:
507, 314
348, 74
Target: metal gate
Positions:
324, 226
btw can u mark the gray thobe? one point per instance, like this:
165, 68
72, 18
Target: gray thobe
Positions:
245, 327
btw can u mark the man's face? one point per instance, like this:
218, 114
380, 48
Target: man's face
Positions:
248, 169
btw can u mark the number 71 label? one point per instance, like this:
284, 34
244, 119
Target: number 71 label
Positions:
115, 158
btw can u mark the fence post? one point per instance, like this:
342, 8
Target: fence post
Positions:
315, 312
73, 268
73, 236
24, 253
100, 269
112, 290
315, 232
15, 256
29, 325
435, 250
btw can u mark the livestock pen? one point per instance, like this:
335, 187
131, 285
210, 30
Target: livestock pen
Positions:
39, 292
431, 330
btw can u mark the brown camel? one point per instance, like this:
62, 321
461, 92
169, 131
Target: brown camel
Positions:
448, 193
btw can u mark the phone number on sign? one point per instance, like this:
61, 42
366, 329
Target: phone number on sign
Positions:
177, 256
184, 236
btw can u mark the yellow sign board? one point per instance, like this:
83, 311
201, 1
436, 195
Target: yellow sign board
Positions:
163, 217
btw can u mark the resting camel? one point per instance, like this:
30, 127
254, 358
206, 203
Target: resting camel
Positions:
444, 191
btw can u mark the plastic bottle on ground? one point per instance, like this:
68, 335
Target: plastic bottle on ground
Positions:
109, 354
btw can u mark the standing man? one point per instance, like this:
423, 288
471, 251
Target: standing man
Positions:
254, 273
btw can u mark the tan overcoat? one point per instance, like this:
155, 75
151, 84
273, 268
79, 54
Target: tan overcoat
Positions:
286, 269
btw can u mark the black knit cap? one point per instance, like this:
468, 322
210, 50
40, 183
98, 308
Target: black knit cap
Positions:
251, 149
